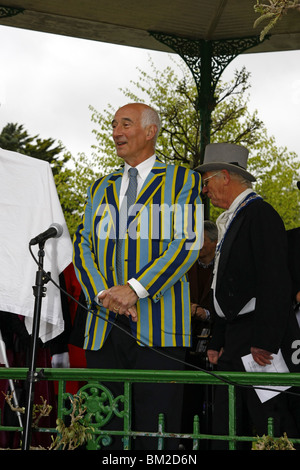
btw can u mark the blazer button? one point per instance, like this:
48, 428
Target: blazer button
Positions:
111, 268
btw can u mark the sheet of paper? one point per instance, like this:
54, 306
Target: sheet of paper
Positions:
277, 365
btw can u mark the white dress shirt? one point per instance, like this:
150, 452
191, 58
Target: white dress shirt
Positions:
222, 223
144, 169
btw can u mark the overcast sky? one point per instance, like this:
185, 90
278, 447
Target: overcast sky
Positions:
47, 83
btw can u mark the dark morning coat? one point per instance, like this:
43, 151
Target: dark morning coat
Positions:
253, 263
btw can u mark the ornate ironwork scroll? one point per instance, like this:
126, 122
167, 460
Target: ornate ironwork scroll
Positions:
206, 59
100, 408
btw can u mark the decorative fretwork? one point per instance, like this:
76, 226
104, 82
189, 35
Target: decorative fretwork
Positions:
193, 437
206, 58
7, 12
100, 408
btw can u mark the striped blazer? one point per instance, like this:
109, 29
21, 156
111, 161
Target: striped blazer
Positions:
163, 239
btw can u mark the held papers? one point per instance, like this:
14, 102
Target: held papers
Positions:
277, 365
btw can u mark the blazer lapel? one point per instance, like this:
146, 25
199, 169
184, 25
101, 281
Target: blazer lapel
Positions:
151, 185
112, 190
111, 197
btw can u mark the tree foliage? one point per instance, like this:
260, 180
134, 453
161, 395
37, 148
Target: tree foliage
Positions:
174, 95
72, 183
17, 139
175, 98
276, 172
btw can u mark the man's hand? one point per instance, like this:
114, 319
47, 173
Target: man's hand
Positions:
261, 357
121, 300
193, 309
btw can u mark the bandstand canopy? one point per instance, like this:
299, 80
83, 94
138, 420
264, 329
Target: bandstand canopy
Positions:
130, 23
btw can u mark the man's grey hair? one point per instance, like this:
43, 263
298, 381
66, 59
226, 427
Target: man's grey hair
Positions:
211, 229
151, 116
241, 179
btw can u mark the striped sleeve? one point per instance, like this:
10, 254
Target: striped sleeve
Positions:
84, 256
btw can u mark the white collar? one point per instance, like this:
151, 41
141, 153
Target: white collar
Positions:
224, 219
238, 200
143, 168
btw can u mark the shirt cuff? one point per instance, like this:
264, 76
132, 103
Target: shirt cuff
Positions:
138, 288
96, 300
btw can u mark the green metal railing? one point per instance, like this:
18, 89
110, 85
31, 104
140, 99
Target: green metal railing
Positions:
100, 405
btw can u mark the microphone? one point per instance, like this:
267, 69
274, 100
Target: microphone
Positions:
298, 184
54, 231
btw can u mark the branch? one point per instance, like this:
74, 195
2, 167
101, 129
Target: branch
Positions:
273, 12
40, 411
8, 398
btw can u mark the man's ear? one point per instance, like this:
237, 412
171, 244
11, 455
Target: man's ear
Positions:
151, 131
226, 176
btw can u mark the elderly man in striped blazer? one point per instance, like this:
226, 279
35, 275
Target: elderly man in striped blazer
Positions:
133, 269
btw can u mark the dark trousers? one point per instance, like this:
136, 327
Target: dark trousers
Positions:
251, 416
121, 351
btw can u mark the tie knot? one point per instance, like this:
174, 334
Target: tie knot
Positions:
132, 172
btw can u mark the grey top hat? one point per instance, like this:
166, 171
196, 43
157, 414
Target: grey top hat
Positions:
224, 156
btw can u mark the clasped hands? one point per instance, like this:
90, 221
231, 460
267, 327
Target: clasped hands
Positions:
198, 312
121, 300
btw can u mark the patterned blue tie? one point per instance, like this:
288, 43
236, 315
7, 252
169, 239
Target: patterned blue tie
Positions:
123, 216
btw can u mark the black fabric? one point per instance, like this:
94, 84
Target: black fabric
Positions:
293, 238
254, 264
121, 351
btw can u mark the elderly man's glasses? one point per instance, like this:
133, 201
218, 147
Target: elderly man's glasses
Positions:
206, 180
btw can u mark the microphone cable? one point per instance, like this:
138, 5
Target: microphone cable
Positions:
153, 348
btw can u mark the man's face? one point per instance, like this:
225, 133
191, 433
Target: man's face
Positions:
213, 187
129, 135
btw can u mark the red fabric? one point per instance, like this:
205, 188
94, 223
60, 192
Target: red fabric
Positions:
43, 388
76, 354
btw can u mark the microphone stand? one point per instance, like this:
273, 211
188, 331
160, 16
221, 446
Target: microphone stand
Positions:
33, 376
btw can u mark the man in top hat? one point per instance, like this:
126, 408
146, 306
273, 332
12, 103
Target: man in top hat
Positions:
251, 290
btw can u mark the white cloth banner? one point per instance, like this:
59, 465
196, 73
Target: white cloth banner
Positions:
29, 204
